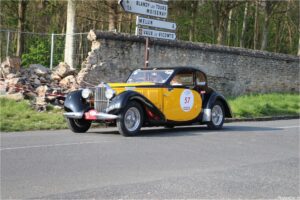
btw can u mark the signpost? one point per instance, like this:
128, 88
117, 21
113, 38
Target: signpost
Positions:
144, 25
143, 21
156, 34
145, 8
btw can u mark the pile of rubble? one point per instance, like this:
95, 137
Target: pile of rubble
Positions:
36, 82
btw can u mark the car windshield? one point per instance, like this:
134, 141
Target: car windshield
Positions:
154, 76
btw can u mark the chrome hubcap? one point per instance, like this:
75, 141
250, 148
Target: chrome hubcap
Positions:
217, 115
132, 119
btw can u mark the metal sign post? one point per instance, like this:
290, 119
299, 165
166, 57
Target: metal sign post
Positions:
147, 53
147, 27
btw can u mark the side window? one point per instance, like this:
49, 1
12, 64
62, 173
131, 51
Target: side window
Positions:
200, 79
184, 79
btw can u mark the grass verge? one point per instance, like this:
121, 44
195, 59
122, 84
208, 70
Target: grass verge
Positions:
19, 116
263, 105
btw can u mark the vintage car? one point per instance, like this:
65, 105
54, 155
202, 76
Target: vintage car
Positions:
169, 96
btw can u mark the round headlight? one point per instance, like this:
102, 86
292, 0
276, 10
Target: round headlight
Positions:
86, 93
109, 93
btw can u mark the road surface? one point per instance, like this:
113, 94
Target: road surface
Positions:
244, 160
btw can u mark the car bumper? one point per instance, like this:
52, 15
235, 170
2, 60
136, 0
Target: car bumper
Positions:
91, 115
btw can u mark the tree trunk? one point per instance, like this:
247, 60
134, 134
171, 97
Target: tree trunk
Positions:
21, 26
229, 27
255, 38
120, 22
268, 12
193, 21
69, 44
130, 23
221, 31
299, 43
242, 40
288, 26
112, 15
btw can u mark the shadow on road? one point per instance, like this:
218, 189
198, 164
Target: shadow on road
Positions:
190, 131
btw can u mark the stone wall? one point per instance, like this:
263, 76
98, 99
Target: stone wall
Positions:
231, 71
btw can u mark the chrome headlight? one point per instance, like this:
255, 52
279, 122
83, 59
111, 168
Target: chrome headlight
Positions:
109, 93
86, 93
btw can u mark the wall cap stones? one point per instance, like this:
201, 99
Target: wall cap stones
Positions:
96, 35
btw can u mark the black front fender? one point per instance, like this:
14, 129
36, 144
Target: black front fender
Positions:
119, 103
75, 103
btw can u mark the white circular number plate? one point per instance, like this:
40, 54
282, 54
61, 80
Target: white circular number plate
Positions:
186, 100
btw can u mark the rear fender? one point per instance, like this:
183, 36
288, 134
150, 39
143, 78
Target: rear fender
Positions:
218, 97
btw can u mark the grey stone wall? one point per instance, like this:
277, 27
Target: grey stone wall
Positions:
231, 71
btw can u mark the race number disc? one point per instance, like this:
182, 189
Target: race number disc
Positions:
186, 100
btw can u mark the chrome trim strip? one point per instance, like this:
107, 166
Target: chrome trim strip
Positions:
206, 115
103, 116
74, 115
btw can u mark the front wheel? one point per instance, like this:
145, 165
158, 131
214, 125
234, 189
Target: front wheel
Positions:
131, 119
78, 125
217, 116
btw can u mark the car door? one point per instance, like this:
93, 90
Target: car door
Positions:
181, 102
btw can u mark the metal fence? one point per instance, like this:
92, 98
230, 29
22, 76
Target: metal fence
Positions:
43, 48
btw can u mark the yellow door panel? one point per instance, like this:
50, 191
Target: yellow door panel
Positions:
181, 104
153, 94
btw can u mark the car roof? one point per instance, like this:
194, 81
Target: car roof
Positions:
175, 68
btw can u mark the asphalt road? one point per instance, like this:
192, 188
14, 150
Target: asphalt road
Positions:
244, 160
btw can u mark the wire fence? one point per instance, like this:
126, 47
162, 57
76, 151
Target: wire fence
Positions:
43, 48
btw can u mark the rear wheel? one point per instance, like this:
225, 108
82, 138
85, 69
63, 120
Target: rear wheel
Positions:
217, 116
131, 119
78, 125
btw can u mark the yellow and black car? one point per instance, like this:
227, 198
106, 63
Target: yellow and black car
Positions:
167, 97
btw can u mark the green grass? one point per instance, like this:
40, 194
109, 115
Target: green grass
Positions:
19, 116
261, 105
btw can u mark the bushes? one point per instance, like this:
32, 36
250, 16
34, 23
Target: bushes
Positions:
39, 52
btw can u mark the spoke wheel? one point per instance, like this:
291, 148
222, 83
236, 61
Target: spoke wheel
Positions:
217, 116
131, 119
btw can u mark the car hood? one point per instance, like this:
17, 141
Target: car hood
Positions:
116, 85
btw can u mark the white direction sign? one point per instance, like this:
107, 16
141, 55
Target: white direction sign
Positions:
154, 33
155, 23
145, 8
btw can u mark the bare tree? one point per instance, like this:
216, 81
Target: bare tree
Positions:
112, 14
69, 44
255, 38
229, 27
242, 40
21, 25
221, 10
268, 11
299, 43
194, 5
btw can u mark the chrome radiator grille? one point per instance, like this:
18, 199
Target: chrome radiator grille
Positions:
101, 102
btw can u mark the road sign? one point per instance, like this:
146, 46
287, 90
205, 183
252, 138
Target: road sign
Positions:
155, 23
145, 7
155, 33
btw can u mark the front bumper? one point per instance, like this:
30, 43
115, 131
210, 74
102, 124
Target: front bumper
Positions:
91, 115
